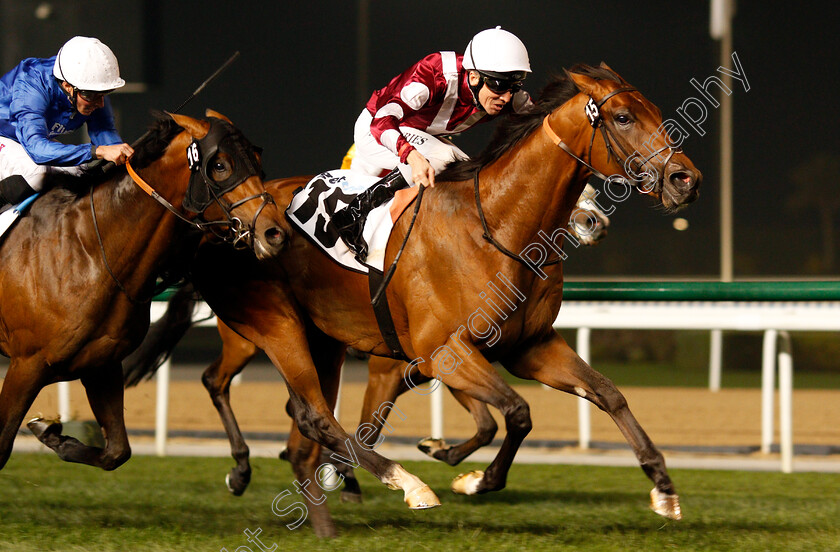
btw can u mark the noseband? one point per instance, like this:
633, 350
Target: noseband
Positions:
593, 113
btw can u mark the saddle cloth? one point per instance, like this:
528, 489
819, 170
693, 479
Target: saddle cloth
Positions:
313, 206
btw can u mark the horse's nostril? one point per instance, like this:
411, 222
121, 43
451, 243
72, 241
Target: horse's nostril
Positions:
682, 178
275, 236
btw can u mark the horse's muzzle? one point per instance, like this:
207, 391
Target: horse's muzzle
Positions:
681, 186
270, 241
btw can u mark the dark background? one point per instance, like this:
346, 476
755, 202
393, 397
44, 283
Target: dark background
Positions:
301, 82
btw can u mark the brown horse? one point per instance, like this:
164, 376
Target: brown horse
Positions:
78, 272
388, 379
515, 197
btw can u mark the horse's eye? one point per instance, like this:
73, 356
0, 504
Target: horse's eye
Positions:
220, 168
622, 119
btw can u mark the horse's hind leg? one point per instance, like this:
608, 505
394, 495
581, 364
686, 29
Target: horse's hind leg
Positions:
387, 381
486, 428
20, 387
104, 389
474, 375
236, 353
555, 364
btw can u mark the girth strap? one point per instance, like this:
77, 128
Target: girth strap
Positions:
383, 315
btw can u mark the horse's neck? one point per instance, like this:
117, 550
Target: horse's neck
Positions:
135, 228
530, 189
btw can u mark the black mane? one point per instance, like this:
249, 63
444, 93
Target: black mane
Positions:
514, 127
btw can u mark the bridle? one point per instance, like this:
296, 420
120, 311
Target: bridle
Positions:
234, 231
203, 191
596, 121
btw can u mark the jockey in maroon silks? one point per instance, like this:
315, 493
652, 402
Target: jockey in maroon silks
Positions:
403, 130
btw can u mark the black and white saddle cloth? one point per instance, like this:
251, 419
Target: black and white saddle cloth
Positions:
312, 208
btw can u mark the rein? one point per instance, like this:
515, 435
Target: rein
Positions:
238, 234
377, 296
489, 237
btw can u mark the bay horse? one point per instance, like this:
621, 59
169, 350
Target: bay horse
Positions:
387, 380
77, 274
517, 196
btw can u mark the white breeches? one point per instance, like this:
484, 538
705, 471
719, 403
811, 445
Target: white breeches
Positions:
15, 160
372, 158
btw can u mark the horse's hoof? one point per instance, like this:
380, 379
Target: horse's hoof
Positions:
666, 505
235, 485
43, 428
354, 498
422, 498
430, 446
467, 483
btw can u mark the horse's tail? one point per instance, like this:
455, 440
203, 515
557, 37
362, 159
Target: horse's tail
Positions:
162, 337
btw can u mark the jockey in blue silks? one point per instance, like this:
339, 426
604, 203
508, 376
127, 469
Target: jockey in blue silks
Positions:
44, 98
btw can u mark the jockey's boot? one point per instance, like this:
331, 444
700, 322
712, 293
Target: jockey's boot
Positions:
350, 221
13, 190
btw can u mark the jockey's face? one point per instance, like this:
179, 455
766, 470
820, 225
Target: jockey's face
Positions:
492, 102
86, 102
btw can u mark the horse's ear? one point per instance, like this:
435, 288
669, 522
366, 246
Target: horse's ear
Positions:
611, 70
585, 84
198, 129
217, 115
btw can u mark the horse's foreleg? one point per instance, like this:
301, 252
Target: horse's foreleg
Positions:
554, 363
486, 428
105, 394
474, 375
20, 387
304, 454
236, 353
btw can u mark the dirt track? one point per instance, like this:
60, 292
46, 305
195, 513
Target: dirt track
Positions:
671, 416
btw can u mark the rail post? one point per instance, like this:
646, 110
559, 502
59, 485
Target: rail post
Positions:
584, 418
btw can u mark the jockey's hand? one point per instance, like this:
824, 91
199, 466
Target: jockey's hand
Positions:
421, 171
118, 154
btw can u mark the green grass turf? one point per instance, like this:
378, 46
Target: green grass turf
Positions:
180, 504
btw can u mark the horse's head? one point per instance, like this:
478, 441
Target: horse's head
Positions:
635, 143
226, 190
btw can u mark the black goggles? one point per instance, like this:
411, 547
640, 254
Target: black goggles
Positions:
500, 86
92, 95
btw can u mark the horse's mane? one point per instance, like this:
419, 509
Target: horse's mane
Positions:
516, 126
151, 147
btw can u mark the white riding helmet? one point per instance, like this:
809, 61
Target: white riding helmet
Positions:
498, 53
88, 64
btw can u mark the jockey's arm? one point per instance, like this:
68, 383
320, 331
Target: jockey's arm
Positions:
106, 141
115, 153
28, 108
421, 170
